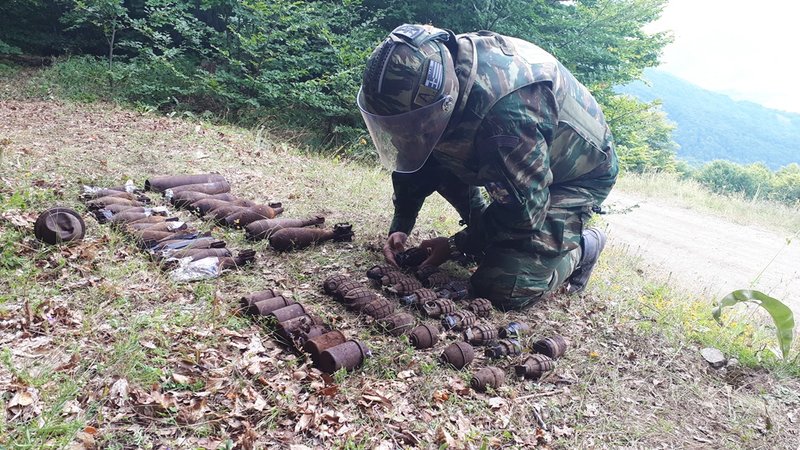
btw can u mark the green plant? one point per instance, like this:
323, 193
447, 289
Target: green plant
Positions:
781, 314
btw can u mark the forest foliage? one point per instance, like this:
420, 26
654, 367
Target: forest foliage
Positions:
299, 63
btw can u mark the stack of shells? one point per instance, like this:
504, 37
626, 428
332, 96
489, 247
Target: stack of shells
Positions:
166, 238
294, 325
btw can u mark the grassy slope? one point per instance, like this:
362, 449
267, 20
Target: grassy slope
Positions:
74, 321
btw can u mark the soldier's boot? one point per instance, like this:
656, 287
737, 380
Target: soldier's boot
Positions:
592, 242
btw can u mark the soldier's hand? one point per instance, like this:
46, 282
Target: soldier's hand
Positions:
395, 243
438, 249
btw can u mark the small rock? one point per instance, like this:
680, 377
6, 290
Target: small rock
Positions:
713, 356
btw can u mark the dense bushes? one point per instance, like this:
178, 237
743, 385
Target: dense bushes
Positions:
755, 181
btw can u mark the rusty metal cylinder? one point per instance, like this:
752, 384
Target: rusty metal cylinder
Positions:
378, 308
418, 297
58, 225
491, 376
295, 325
504, 347
288, 312
315, 346
356, 299
554, 346
267, 306
458, 355
300, 337
459, 320
246, 301
186, 198
423, 336
263, 229
103, 202
397, 324
514, 330
209, 204
299, 238
481, 307
347, 355
162, 183
534, 367
330, 284
480, 335
246, 216
219, 187
439, 307
218, 215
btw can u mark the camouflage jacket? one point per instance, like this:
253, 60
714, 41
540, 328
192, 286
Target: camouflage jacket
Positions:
524, 129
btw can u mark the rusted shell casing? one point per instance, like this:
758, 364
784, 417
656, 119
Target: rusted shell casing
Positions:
128, 216
263, 229
243, 258
112, 193
166, 225
148, 239
330, 284
103, 202
246, 301
116, 209
301, 336
418, 297
534, 367
405, 286
378, 308
439, 307
397, 324
267, 306
377, 271
423, 336
356, 299
412, 257
162, 183
288, 312
553, 347
504, 347
209, 204
459, 320
514, 330
315, 346
198, 242
347, 355
152, 219
195, 254
299, 238
480, 335
299, 324
185, 198
57, 225
343, 288
458, 355
493, 377
481, 307
437, 279
246, 216
219, 187
218, 215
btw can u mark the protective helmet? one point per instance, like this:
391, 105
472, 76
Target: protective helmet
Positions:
407, 95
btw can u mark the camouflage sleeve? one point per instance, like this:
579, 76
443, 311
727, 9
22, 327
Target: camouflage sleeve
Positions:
513, 146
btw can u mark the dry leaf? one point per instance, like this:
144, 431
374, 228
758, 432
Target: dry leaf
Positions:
119, 392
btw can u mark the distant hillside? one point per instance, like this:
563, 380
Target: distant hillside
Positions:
714, 126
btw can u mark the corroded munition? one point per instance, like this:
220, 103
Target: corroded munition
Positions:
391, 278
289, 312
343, 288
397, 323
267, 306
412, 257
315, 346
152, 219
480, 335
534, 366
454, 290
481, 307
405, 286
356, 299
504, 347
246, 301
147, 239
554, 346
102, 202
246, 216
423, 336
208, 204
439, 307
295, 325
488, 377
332, 282
262, 229
243, 258
378, 308
200, 253
134, 214
160, 184
458, 355
299, 337
418, 297
219, 187
347, 355
163, 225
299, 238
459, 320
165, 247
185, 198
514, 330
377, 271
437, 279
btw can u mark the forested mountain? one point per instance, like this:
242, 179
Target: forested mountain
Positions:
714, 126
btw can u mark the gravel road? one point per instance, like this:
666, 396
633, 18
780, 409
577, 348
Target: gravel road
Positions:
704, 253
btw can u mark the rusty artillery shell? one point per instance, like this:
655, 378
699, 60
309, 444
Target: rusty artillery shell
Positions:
116, 209
356, 299
185, 198
504, 347
219, 187
264, 228
439, 307
267, 306
217, 215
418, 297
299, 324
480, 335
423, 336
493, 377
241, 259
348, 355
246, 216
209, 204
378, 308
377, 271
554, 346
405, 286
163, 225
162, 183
315, 346
481, 307
299, 337
200, 253
288, 312
298, 238
534, 366
514, 330
397, 324
343, 288
147, 239
412, 257
246, 301
437, 279
459, 320
180, 243
458, 355
57, 225
103, 202
331, 283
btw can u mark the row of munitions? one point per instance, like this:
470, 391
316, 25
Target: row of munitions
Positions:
329, 349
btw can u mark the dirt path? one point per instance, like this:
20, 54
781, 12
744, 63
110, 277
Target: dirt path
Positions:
704, 253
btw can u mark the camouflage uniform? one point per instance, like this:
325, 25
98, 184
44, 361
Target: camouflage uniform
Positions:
526, 130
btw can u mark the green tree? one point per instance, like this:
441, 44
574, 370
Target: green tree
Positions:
642, 134
110, 16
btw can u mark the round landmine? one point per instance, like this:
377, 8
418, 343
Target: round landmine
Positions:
458, 355
397, 324
488, 377
423, 336
534, 367
554, 346
57, 225
348, 355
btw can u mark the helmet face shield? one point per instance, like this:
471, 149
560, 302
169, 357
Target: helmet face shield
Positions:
405, 141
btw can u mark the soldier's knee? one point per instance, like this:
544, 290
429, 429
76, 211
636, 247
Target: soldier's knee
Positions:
509, 279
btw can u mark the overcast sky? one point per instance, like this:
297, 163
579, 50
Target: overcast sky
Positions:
749, 50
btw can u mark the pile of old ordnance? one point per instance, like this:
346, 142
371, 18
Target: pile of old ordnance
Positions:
297, 327
395, 297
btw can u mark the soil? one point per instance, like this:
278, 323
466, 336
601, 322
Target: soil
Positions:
707, 255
